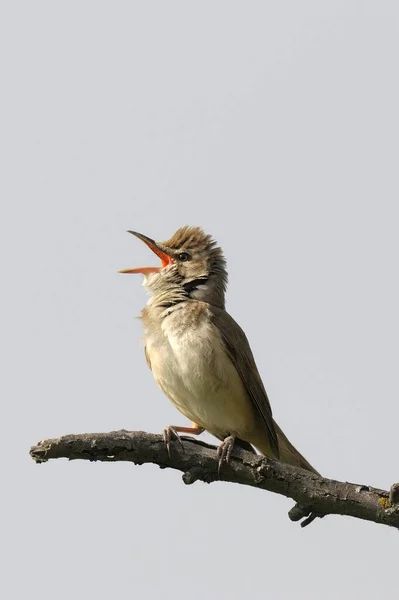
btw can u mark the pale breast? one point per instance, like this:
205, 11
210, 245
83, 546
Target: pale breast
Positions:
190, 364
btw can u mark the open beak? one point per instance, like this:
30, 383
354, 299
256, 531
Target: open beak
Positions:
165, 258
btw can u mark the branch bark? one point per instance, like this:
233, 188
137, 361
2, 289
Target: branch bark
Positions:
313, 494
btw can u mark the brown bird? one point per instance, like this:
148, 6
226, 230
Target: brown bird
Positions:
199, 356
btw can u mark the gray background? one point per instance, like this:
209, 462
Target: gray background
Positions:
274, 125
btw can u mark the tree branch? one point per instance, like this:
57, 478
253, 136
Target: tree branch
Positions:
198, 462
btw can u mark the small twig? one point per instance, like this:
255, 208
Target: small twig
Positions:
198, 461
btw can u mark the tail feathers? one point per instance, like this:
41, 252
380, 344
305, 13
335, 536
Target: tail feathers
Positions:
289, 454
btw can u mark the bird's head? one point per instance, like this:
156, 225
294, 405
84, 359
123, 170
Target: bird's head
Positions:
191, 265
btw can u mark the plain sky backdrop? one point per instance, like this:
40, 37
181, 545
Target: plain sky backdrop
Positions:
274, 126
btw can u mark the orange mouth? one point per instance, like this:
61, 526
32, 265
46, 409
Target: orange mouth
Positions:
165, 258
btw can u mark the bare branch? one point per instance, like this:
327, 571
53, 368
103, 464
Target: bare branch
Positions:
198, 462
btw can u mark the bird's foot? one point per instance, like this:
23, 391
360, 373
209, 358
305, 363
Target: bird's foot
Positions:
224, 451
170, 434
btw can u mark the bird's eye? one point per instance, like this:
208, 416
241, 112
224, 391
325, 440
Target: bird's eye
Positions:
183, 256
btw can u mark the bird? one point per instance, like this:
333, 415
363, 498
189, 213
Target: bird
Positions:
199, 356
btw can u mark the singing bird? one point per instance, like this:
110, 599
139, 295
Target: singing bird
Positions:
199, 356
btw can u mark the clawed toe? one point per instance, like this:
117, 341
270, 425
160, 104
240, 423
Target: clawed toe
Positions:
224, 451
170, 434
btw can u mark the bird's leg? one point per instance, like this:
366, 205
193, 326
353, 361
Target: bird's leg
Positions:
171, 433
224, 450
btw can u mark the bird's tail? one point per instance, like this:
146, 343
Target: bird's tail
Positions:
289, 454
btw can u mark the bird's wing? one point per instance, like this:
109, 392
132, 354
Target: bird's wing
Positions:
240, 353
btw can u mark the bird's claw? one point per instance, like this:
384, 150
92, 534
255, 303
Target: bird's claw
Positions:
170, 434
224, 451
